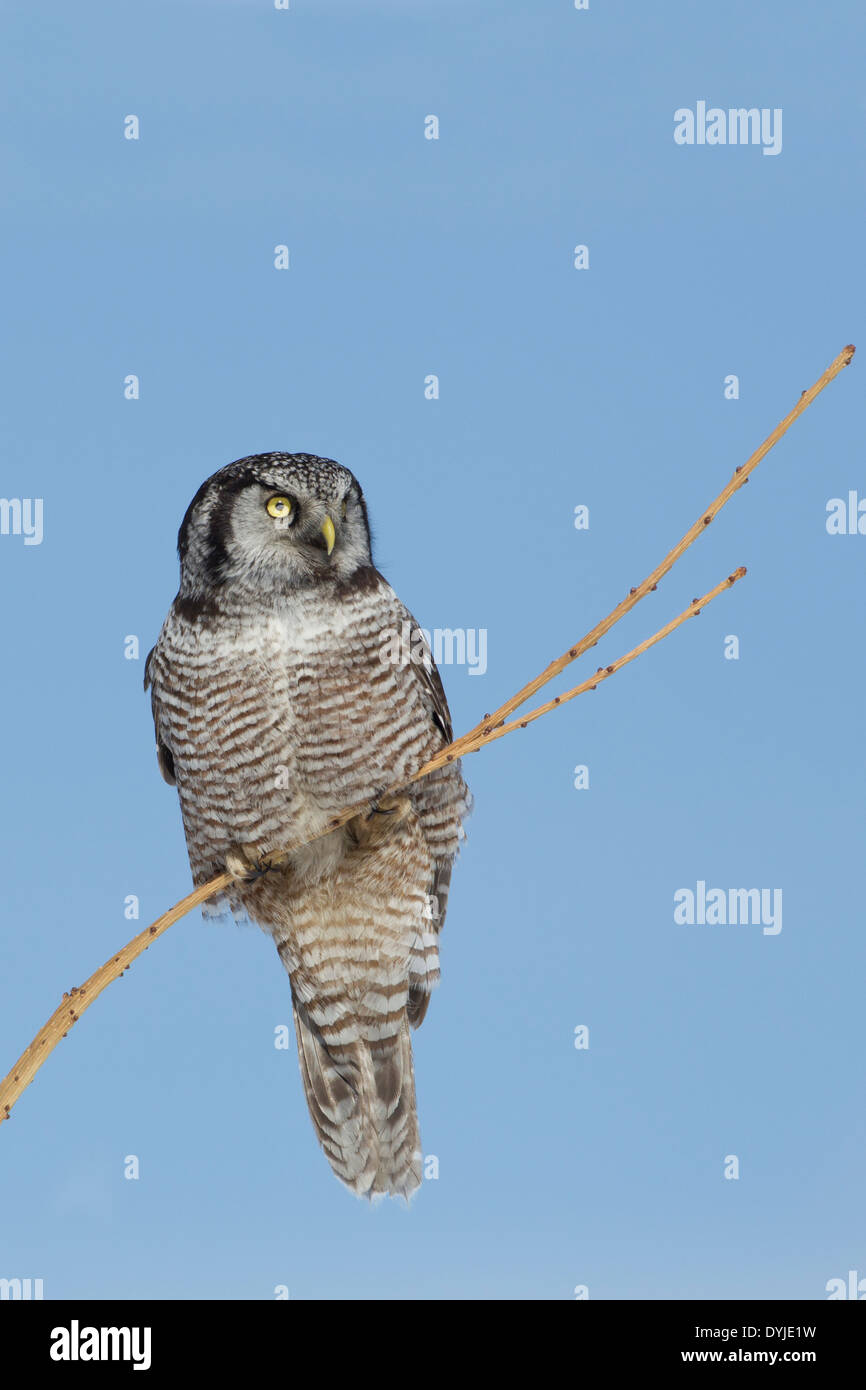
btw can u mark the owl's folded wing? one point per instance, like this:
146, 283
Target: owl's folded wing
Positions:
164, 755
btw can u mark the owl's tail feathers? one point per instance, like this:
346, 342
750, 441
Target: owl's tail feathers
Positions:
361, 1097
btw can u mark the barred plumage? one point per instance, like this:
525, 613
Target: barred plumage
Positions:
273, 709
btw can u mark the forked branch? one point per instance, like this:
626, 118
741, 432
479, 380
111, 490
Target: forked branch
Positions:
492, 727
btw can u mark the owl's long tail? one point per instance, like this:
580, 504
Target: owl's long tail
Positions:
358, 939
361, 1097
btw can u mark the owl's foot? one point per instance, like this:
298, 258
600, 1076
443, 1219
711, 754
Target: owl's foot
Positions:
244, 861
373, 829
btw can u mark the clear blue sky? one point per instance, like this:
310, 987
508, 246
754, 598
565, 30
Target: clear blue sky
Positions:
603, 387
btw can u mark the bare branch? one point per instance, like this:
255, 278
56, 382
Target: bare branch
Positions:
634, 596
81, 997
492, 727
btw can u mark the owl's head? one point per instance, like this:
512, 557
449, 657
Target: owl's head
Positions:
273, 522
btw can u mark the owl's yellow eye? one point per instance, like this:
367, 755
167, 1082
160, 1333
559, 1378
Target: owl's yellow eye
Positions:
279, 507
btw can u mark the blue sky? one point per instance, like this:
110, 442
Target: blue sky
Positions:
558, 387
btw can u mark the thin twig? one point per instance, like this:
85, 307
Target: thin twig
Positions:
634, 596
604, 672
80, 998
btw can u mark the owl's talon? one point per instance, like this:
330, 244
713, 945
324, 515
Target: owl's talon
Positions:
398, 806
380, 822
244, 862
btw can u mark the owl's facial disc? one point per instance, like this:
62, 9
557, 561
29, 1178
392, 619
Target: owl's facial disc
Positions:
287, 530
274, 522
284, 534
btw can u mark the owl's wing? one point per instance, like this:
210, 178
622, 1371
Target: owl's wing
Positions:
164, 755
433, 692
441, 799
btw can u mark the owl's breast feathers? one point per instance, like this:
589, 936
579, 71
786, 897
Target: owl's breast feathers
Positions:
272, 720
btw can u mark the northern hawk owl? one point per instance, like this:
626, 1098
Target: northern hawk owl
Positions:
276, 705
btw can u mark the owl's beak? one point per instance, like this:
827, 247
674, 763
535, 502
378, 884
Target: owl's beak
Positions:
329, 533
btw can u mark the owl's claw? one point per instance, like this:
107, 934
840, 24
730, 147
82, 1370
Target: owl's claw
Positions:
387, 813
244, 862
